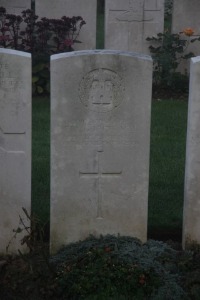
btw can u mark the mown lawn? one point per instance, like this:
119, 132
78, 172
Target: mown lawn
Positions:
41, 158
167, 163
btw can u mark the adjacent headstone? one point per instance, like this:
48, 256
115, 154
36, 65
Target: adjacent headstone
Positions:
15, 145
186, 15
100, 122
191, 219
15, 6
87, 9
130, 22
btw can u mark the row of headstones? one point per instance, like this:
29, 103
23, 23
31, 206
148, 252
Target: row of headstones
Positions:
127, 23
130, 18
100, 132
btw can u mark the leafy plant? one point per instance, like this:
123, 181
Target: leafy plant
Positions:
168, 7
102, 268
41, 76
168, 50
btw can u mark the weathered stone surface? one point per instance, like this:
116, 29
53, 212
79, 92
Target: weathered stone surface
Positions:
15, 144
186, 15
15, 6
129, 22
191, 219
87, 9
100, 123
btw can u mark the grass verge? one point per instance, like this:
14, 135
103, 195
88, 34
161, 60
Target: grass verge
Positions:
167, 163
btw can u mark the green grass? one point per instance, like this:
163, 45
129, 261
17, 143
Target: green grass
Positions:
168, 135
168, 132
41, 158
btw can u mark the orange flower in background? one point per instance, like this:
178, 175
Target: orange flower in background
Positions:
188, 31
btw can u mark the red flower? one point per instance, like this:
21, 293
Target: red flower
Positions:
107, 249
4, 38
142, 279
68, 42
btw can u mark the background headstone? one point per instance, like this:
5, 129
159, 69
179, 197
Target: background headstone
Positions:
186, 15
15, 6
15, 144
100, 120
87, 9
128, 23
191, 217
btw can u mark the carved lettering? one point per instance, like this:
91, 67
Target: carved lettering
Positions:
10, 83
99, 132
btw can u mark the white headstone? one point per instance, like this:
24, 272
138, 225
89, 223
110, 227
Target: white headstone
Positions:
100, 121
87, 9
186, 15
191, 219
15, 144
129, 22
15, 6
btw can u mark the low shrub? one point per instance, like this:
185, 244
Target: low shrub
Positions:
117, 268
100, 268
168, 51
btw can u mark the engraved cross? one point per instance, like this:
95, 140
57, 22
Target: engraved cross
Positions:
99, 175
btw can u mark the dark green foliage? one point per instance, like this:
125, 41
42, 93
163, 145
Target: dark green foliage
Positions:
167, 52
41, 75
168, 7
113, 267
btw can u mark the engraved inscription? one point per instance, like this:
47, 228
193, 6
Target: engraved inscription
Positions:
99, 175
101, 90
10, 91
12, 104
7, 80
135, 12
10, 83
97, 132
